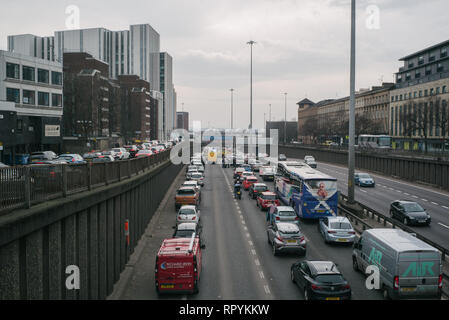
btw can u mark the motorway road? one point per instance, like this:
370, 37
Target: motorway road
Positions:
238, 262
389, 189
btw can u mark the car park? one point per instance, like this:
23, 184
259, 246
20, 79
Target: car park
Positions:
336, 229
188, 213
320, 280
409, 213
286, 237
248, 181
267, 199
178, 266
282, 214
310, 161
364, 180
186, 196
409, 268
257, 188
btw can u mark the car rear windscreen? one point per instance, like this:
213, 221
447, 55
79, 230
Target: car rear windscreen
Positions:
269, 197
286, 213
419, 264
186, 192
329, 278
340, 225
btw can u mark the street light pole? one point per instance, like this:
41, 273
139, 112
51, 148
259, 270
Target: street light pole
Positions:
232, 108
285, 119
251, 43
351, 158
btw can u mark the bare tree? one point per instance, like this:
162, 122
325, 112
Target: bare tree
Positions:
442, 121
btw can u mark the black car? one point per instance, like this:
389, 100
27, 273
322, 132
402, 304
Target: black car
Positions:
257, 188
320, 280
282, 157
409, 213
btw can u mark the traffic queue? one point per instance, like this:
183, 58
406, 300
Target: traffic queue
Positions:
409, 267
178, 262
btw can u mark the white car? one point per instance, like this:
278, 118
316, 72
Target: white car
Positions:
121, 153
188, 214
196, 176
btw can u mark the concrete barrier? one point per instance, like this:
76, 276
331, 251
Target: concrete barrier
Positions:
86, 230
431, 172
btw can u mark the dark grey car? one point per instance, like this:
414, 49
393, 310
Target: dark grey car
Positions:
409, 212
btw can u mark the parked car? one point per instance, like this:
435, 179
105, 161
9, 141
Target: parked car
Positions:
310, 161
188, 213
42, 155
103, 159
178, 266
286, 237
336, 229
257, 188
320, 280
282, 157
364, 180
144, 153
120, 153
409, 267
132, 149
409, 213
282, 214
71, 158
267, 199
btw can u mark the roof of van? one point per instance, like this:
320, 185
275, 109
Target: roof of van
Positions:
178, 246
400, 240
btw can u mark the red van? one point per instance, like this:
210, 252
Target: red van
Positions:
178, 265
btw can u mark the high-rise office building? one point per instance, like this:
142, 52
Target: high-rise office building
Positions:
168, 91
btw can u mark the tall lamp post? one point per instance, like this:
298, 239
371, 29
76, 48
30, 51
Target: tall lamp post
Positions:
232, 108
251, 43
351, 158
285, 119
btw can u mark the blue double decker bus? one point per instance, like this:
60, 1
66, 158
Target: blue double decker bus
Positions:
311, 193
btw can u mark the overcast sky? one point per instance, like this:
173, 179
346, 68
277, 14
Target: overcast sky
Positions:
302, 45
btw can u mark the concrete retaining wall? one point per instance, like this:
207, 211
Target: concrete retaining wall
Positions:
86, 230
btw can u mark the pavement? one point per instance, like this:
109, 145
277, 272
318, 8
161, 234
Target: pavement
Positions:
237, 262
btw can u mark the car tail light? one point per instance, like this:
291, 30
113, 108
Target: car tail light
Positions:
301, 239
73, 159
194, 218
332, 232
297, 218
347, 286
351, 232
315, 287
396, 283
179, 218
278, 219
440, 281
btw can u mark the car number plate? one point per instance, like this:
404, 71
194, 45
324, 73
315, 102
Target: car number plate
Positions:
408, 289
319, 211
343, 240
291, 241
333, 298
167, 286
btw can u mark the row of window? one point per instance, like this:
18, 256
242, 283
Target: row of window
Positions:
418, 119
29, 74
419, 72
420, 94
29, 97
432, 57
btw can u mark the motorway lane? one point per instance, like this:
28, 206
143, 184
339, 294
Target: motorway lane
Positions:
387, 190
277, 269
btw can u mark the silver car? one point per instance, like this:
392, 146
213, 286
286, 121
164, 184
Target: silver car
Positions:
190, 172
336, 229
188, 214
286, 237
196, 176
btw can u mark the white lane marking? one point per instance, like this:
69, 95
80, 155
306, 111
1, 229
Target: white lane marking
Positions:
250, 243
253, 252
267, 289
425, 200
262, 276
445, 207
247, 235
415, 197
407, 184
398, 191
257, 262
243, 222
246, 229
363, 191
391, 189
407, 194
443, 225
385, 187
434, 203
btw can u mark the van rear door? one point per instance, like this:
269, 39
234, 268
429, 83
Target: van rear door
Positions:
175, 273
419, 273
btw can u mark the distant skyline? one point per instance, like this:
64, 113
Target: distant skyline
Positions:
302, 46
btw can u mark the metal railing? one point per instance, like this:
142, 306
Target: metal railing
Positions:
23, 187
